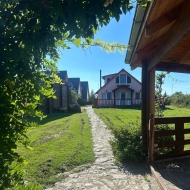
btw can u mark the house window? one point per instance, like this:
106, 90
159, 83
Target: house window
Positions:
128, 95
123, 95
104, 96
109, 95
137, 95
128, 79
122, 78
117, 80
117, 95
108, 79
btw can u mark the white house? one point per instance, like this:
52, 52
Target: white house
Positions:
119, 89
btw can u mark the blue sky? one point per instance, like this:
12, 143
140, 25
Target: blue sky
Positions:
87, 64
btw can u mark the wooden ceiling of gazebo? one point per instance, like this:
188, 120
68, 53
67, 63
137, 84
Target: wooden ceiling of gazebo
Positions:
163, 39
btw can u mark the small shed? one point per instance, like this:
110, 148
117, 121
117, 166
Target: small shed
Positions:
160, 41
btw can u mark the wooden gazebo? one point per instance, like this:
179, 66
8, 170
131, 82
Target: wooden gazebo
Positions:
160, 41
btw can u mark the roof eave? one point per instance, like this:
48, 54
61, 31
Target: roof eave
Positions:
139, 21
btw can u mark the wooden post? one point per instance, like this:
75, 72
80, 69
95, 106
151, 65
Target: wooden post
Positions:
144, 111
151, 91
151, 104
151, 139
179, 127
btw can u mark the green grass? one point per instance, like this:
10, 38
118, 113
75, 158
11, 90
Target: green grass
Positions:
62, 142
118, 117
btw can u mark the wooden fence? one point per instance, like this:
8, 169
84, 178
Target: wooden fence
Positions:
176, 144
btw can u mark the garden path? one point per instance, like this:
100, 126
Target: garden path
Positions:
105, 174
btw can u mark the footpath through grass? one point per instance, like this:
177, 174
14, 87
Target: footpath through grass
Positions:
62, 142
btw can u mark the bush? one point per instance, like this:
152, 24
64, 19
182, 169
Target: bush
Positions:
81, 101
127, 144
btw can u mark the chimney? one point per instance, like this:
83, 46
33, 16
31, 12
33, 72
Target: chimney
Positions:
100, 78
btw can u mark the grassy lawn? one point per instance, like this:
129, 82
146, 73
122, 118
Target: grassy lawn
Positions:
62, 142
118, 117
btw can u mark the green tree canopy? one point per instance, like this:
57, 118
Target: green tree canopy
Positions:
31, 30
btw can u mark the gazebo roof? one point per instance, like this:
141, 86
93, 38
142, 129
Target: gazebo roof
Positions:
161, 35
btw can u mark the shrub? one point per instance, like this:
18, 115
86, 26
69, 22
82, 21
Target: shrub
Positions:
127, 144
81, 101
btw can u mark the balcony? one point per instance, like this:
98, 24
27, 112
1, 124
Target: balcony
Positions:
116, 102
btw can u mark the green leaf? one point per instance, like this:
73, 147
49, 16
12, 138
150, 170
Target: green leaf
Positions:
77, 42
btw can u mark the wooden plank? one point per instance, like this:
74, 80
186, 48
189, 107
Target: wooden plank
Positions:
164, 20
172, 144
172, 154
151, 47
179, 126
186, 131
170, 120
164, 133
174, 35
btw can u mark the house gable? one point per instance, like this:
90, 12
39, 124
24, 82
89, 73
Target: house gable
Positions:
63, 75
75, 83
124, 79
85, 90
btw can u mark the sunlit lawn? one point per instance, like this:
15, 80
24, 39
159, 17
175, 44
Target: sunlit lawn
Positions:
62, 142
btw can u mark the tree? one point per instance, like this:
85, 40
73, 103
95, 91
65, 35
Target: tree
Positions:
73, 96
158, 94
92, 96
31, 31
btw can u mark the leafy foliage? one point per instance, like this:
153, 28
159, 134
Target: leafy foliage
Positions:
73, 96
158, 94
180, 100
31, 31
127, 144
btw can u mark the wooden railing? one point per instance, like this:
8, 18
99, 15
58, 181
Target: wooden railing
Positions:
117, 102
178, 142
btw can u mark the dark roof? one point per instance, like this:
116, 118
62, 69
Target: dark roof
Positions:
122, 86
110, 75
84, 86
74, 83
62, 75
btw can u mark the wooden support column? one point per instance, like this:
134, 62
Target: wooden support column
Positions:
151, 89
144, 109
151, 104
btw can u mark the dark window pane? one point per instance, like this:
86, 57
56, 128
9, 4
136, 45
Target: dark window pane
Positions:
109, 95
128, 79
122, 78
117, 80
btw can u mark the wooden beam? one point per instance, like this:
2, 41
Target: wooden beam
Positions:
164, 20
174, 35
144, 111
173, 67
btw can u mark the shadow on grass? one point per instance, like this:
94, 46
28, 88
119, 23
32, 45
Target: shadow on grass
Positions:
51, 117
